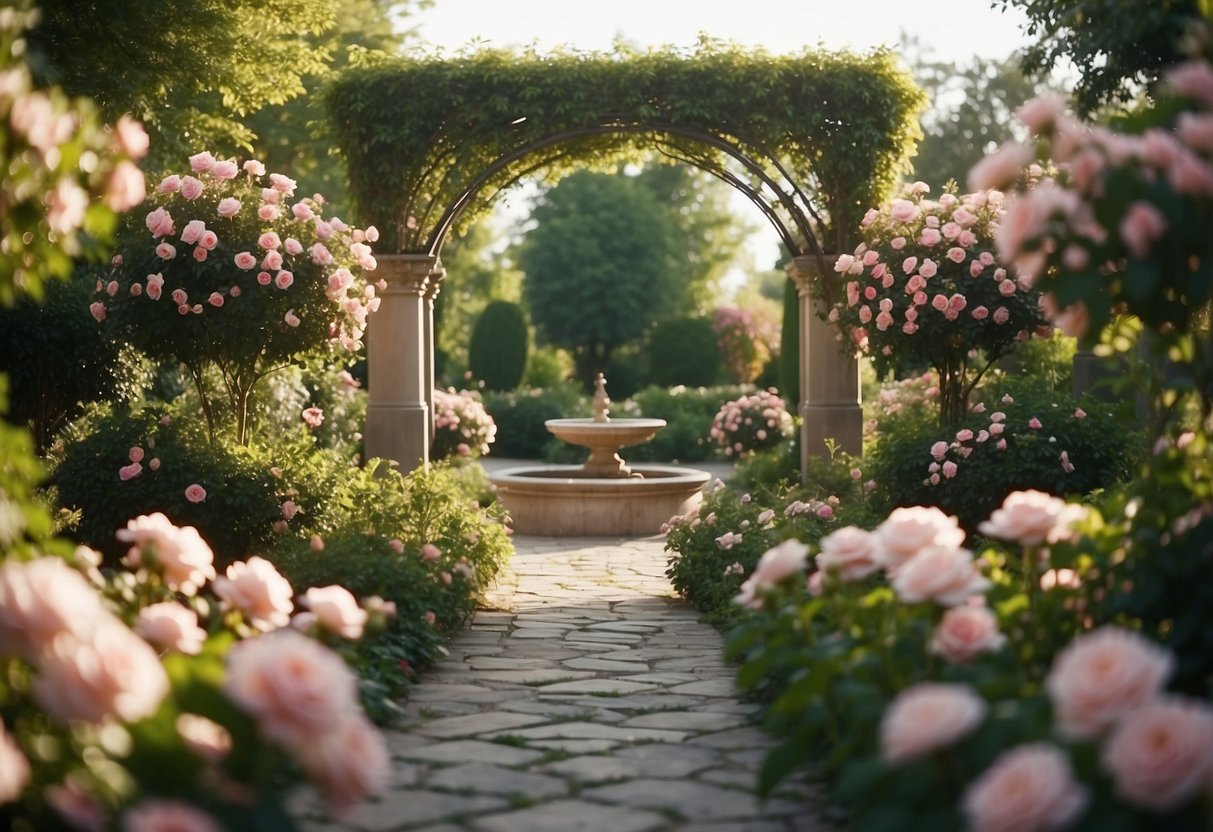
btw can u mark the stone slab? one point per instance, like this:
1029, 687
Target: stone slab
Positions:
466, 751
480, 723
571, 816
482, 778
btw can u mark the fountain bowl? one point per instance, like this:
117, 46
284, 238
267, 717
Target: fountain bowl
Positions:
565, 501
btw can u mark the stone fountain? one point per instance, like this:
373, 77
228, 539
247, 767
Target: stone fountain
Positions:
604, 496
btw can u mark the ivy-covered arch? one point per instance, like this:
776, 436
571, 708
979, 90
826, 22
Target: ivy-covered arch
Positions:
812, 140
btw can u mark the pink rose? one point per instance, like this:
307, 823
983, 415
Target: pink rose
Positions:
909, 529
949, 469
245, 261
430, 553
1141, 226
269, 241
850, 551
348, 762
226, 169
774, 566
170, 626
965, 632
939, 449
302, 211
97, 310
125, 188
165, 251
908, 265
1000, 168
129, 472
135, 454
191, 188
902, 210
200, 254
943, 574
106, 671
1031, 518
228, 207
264, 278
313, 417
288, 510
929, 237
257, 589
159, 222
39, 600
956, 254
291, 318
1101, 676
282, 184
215, 300
1161, 754
202, 162
284, 279
195, 493
1029, 788
209, 740
1193, 80
14, 768
980, 313
192, 231
179, 552
926, 717
321, 255
267, 212
295, 688
156, 815
179, 296
208, 239
154, 464
293, 247
336, 610
1001, 315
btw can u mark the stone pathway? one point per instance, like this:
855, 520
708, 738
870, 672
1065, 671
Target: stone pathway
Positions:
587, 698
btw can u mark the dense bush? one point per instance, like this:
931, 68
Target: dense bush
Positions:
497, 352
754, 422
688, 412
462, 427
686, 353
520, 415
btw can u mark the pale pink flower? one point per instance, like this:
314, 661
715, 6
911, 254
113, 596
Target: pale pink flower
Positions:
245, 261
1030, 788
165, 251
927, 717
1000, 168
1033, 517
202, 162
1141, 226
200, 254
106, 671
195, 493
1041, 113
1101, 676
336, 610
945, 575
1066, 464
154, 464
348, 762
321, 255
170, 626
1193, 80
302, 211
41, 599
313, 417
430, 553
209, 740
292, 246
284, 279
129, 472
132, 139
97, 310
155, 815
264, 278
269, 240
956, 254
909, 529
267, 212
179, 552
215, 299
257, 589
928, 269
125, 188
226, 169
253, 168
851, 552
949, 469
282, 184
397, 545
1001, 315
191, 188
295, 688
14, 768
1161, 754
939, 449
169, 184
228, 207
775, 565
966, 632
291, 318
909, 264
902, 210
159, 222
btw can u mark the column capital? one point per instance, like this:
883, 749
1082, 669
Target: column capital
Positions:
434, 284
806, 269
407, 273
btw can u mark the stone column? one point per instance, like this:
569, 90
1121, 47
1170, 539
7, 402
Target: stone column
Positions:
397, 414
433, 286
829, 377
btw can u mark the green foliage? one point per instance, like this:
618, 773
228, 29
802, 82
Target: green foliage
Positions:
1115, 45
687, 353
415, 132
547, 367
497, 353
462, 427
688, 412
242, 499
789, 344
597, 267
1096, 441
520, 414
58, 360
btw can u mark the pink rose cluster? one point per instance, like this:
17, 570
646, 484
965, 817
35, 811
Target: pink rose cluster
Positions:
754, 422
1111, 201
925, 278
265, 243
462, 427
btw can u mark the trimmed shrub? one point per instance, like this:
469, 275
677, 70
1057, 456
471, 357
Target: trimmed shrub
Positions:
520, 416
497, 352
688, 412
789, 344
686, 353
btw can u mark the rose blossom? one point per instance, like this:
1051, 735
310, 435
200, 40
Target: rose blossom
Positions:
965, 632
170, 626
165, 251
1101, 676
927, 717
14, 768
313, 417
155, 815
179, 552
1031, 518
1161, 754
291, 318
943, 574
195, 493
125, 187
775, 565
336, 610
1142, 225
1029, 788
909, 529
159, 223
39, 599
284, 279
257, 589
296, 689
129, 472
202, 162
851, 551
106, 671
228, 207
191, 188
226, 169
348, 762
245, 261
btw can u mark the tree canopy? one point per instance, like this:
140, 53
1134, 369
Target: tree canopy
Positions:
816, 137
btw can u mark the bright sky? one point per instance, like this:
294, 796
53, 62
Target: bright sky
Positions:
953, 30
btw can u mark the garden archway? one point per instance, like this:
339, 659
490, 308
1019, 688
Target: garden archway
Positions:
811, 140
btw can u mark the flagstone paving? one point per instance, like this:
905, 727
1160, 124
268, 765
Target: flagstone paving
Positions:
585, 698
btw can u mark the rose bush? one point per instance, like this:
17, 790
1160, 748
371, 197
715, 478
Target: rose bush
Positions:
228, 269
925, 287
462, 427
754, 422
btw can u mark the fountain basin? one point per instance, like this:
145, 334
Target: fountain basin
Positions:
562, 501
604, 437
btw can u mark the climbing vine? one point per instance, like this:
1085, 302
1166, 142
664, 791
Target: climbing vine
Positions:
815, 138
